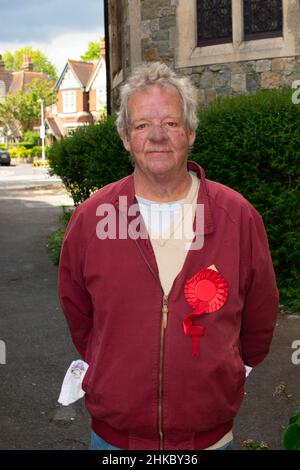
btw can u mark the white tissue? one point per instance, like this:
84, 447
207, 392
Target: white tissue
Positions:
71, 389
248, 369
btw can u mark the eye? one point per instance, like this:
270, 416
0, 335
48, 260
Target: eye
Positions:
141, 126
171, 124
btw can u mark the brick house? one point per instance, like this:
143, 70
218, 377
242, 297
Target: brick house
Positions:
227, 47
81, 97
13, 82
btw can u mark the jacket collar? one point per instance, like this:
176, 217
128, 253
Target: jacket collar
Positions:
126, 189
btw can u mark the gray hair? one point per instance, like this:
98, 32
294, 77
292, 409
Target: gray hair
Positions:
157, 73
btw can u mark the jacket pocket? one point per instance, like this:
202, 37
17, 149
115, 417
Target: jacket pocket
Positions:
239, 367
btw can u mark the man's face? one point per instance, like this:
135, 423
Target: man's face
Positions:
157, 138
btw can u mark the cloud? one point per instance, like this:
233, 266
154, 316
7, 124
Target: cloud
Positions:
59, 49
38, 20
61, 29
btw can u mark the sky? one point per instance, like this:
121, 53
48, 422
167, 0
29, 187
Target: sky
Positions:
61, 29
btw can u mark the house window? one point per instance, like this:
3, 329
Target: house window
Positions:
69, 101
214, 22
100, 98
262, 19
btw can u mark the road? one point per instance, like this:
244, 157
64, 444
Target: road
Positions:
25, 176
38, 348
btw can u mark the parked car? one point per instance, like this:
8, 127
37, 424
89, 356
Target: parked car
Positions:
4, 157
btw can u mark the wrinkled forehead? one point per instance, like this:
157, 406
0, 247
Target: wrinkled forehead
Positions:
155, 99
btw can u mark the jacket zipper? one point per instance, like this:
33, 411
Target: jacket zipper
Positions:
164, 324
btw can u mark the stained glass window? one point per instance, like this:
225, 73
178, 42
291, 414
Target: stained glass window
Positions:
262, 18
214, 21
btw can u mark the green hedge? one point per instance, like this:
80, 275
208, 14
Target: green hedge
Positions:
252, 144
91, 158
23, 152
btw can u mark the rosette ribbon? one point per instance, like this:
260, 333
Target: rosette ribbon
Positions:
205, 292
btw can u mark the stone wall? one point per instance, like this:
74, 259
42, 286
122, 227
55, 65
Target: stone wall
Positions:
157, 40
237, 78
158, 25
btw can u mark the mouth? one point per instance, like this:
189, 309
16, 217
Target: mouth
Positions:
158, 152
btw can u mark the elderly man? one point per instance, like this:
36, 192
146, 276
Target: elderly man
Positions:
166, 325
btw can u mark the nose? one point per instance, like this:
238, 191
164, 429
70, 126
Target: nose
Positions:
157, 133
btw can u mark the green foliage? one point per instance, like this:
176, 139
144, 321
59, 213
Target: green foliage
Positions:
291, 435
249, 444
56, 238
21, 151
92, 53
25, 144
31, 137
55, 243
24, 108
14, 61
66, 215
89, 159
252, 144
37, 151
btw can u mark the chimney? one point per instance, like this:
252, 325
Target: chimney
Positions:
102, 48
27, 64
2, 64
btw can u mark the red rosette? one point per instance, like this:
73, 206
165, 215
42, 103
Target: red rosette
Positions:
206, 291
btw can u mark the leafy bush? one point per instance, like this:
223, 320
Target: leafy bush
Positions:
19, 152
291, 435
24, 144
252, 144
91, 158
31, 137
37, 151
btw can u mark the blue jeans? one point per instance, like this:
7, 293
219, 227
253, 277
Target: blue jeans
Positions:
97, 443
228, 446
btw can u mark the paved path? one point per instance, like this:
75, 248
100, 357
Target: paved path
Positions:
38, 347
39, 350
264, 413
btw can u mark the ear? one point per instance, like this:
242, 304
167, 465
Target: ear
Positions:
126, 142
191, 137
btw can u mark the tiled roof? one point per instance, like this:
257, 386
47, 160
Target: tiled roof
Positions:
54, 126
83, 70
23, 78
16, 83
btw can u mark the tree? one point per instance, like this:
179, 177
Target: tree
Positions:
14, 61
92, 53
20, 111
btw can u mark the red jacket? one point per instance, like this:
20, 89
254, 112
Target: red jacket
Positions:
144, 388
